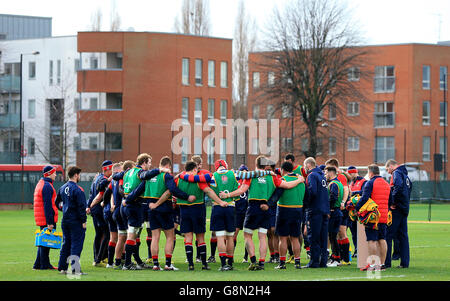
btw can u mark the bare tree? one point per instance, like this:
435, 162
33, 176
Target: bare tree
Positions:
195, 18
312, 45
115, 20
96, 20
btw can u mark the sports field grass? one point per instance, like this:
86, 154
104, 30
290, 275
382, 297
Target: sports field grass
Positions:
429, 242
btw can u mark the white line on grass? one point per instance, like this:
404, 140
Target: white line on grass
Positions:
347, 278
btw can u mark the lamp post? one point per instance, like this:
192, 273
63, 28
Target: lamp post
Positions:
21, 127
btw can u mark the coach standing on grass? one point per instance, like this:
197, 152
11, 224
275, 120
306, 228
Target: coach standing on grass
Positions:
45, 213
399, 204
317, 211
74, 218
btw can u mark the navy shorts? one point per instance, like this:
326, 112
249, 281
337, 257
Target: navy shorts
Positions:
193, 218
223, 219
335, 221
117, 217
176, 215
288, 221
109, 219
256, 218
134, 214
98, 220
239, 220
376, 234
145, 210
345, 221
160, 220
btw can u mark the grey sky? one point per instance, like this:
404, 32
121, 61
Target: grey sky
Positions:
382, 21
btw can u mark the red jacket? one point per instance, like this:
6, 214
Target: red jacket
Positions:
380, 195
45, 210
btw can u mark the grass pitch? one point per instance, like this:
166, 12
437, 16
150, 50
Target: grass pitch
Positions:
429, 244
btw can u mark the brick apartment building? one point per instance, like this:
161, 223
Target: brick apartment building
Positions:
133, 85
404, 118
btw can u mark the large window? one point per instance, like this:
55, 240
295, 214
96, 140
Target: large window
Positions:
211, 73
224, 74
286, 111
353, 144
384, 79
270, 78
211, 111
198, 72
255, 80
384, 149
426, 71
443, 147
185, 71
93, 103
198, 111
353, 109
223, 111
426, 146
443, 84
113, 141
286, 144
31, 108
354, 74
31, 70
58, 72
255, 112
185, 109
426, 113
384, 115
223, 148
443, 113
332, 111
270, 112
50, 73
332, 146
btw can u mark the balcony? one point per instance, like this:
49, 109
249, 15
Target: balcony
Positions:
8, 121
384, 120
9, 83
384, 84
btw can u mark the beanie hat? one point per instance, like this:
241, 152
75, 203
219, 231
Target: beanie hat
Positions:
243, 167
219, 163
107, 165
48, 170
352, 169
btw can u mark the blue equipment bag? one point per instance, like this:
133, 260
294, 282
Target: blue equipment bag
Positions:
49, 239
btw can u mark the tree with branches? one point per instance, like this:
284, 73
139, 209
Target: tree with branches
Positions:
195, 18
312, 45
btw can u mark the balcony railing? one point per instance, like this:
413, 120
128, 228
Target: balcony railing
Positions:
381, 155
9, 121
9, 83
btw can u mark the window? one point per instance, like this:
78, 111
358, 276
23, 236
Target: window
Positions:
443, 147
353, 109
443, 78
286, 144
31, 108
384, 114
198, 145
353, 74
426, 77
50, 73
255, 80
76, 143
31, 146
384, 80
211, 111
304, 145
426, 146
319, 146
185, 71
286, 111
426, 113
270, 112
198, 111
224, 74
223, 111
198, 72
93, 103
384, 149
210, 152
93, 142
93, 61
270, 79
353, 144
211, 73
332, 146
32, 70
332, 111
113, 141
184, 149
223, 148
185, 109
255, 112
58, 72
77, 65
76, 105
443, 113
